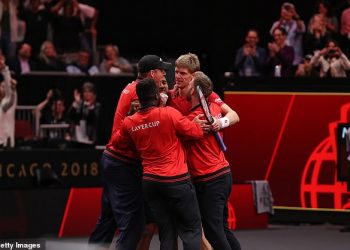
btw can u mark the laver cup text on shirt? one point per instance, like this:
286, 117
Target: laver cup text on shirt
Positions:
145, 126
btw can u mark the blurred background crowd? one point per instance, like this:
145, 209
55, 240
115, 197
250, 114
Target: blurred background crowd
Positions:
310, 39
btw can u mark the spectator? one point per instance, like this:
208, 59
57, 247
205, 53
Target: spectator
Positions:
332, 60
112, 62
294, 27
345, 30
8, 103
67, 26
84, 114
83, 65
281, 55
88, 17
36, 17
305, 69
48, 59
325, 18
52, 109
23, 62
250, 59
9, 27
317, 35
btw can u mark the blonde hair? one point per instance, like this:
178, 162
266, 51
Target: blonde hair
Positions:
42, 50
189, 61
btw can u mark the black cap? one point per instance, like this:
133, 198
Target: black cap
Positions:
150, 62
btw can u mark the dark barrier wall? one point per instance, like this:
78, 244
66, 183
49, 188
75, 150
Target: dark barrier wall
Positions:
27, 169
32, 89
287, 135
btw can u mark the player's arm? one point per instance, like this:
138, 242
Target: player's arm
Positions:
184, 126
122, 139
230, 117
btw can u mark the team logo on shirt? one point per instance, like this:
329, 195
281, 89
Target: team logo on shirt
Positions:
126, 91
145, 126
218, 100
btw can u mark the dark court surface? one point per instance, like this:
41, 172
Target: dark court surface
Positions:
275, 237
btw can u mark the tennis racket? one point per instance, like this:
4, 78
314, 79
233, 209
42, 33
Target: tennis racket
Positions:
209, 117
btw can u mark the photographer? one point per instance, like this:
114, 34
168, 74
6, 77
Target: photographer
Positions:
332, 61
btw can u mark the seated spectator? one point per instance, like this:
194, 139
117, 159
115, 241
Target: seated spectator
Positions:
84, 114
83, 65
280, 54
48, 59
36, 17
23, 62
67, 26
332, 61
305, 68
113, 63
250, 59
294, 27
8, 103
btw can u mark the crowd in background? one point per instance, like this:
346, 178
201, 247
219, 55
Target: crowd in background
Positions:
318, 48
56, 35
60, 35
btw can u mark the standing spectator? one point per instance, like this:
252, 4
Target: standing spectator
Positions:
317, 35
112, 62
23, 62
67, 26
332, 60
325, 16
36, 17
88, 17
84, 114
294, 27
250, 59
8, 103
9, 27
280, 54
345, 30
83, 65
48, 59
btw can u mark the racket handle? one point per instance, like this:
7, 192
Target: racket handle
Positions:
220, 141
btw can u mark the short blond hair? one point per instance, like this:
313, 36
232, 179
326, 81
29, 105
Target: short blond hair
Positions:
189, 61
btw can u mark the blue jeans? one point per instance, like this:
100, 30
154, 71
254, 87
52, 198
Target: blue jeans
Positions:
122, 204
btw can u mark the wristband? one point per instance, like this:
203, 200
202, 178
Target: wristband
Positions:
224, 122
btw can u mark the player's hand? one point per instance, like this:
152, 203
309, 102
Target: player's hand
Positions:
203, 123
134, 107
216, 126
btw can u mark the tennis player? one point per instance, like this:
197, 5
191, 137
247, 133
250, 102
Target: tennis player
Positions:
167, 187
210, 172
